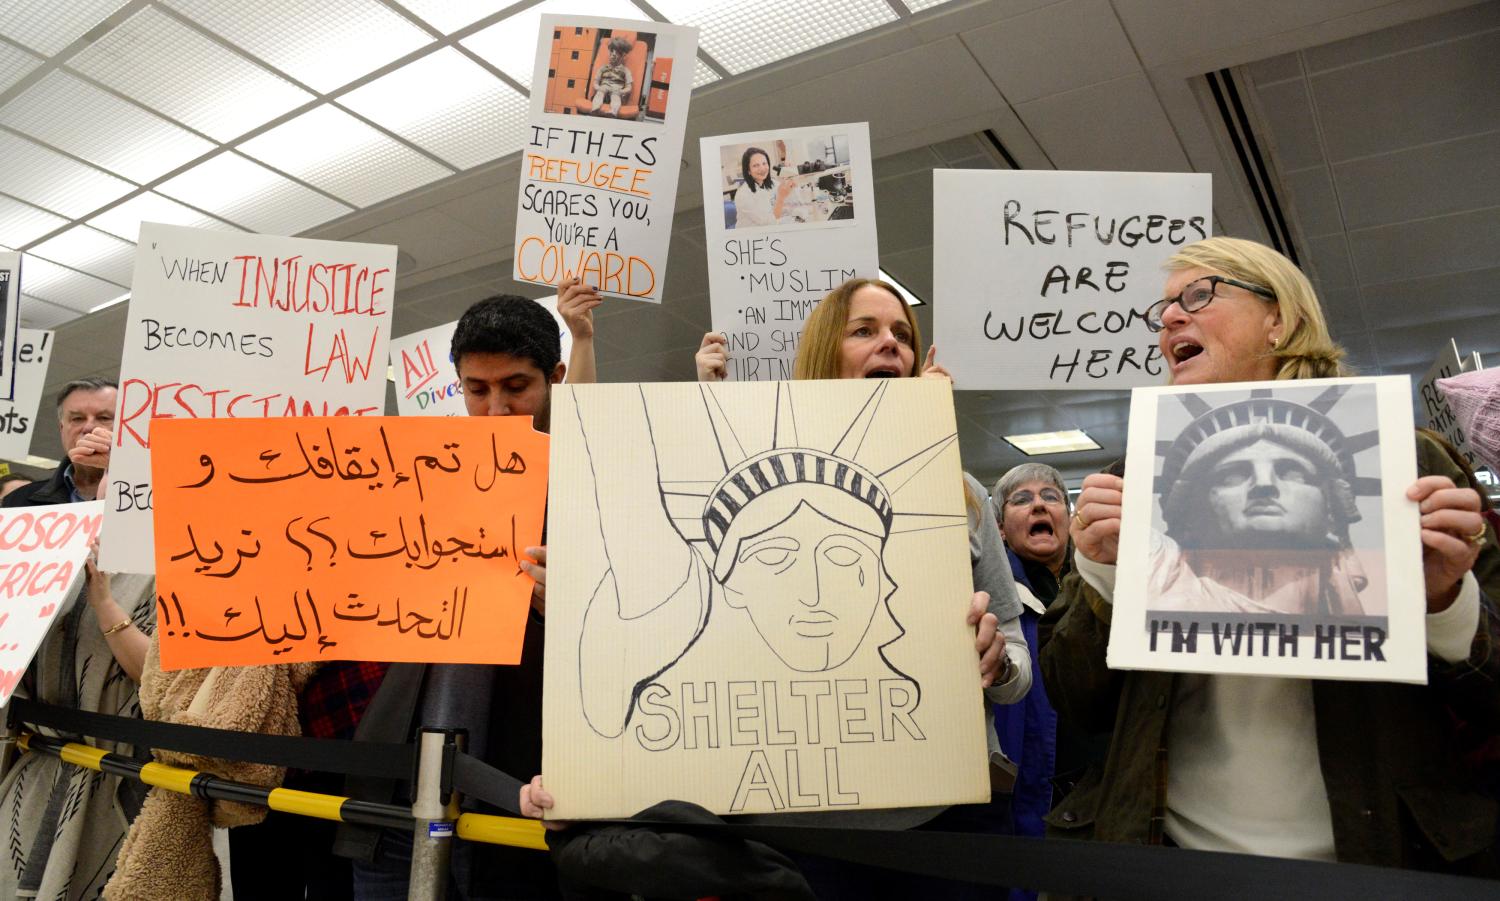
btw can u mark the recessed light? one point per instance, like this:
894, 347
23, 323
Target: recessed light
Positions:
1038, 443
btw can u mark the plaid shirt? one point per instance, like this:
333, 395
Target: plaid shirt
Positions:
336, 697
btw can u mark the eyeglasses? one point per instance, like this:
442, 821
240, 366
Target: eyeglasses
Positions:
1026, 498
1196, 296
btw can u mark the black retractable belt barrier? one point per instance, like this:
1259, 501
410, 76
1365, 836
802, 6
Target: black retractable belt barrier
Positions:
1102, 869
380, 760
1058, 866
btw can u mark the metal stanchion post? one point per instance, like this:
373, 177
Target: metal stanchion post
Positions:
434, 812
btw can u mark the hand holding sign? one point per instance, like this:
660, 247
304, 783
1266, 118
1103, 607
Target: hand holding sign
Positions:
712, 358
1453, 531
932, 369
92, 449
1096, 519
575, 304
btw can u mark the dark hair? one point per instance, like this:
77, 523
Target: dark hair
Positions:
92, 383
511, 325
14, 477
745, 168
622, 45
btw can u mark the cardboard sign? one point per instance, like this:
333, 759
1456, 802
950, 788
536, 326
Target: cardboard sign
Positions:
1275, 538
789, 215
376, 538
10, 321
18, 417
229, 325
1042, 279
756, 599
1435, 407
604, 145
427, 383
41, 562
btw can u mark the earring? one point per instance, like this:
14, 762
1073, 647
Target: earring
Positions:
1275, 343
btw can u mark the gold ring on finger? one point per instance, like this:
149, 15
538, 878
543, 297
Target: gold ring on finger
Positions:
1478, 538
1078, 517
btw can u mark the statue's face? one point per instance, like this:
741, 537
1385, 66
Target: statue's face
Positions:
810, 585
1267, 495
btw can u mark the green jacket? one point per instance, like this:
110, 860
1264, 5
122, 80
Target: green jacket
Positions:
1398, 790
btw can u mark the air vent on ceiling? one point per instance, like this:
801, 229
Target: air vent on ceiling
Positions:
1252, 161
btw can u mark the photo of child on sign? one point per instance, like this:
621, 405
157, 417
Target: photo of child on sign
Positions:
806, 180
609, 72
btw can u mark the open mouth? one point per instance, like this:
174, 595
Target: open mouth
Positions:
1184, 350
884, 372
1041, 528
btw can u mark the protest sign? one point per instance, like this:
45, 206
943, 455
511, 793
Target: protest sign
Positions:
1276, 537
426, 381
1435, 407
228, 325
378, 538
1042, 279
18, 417
789, 216
756, 599
42, 550
10, 321
603, 150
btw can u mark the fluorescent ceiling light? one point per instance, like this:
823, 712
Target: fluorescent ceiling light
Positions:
55, 182
40, 462
22, 223
911, 299
15, 64
116, 135
919, 5
1063, 442
124, 220
187, 76
702, 74
47, 26
449, 16
747, 34
62, 286
323, 45
473, 119
92, 251
510, 44
249, 194
109, 303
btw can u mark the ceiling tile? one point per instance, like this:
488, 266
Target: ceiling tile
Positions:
65, 112
322, 45
168, 66
48, 26
1442, 92
1427, 247
1056, 48
475, 118
1294, 134
91, 250
781, 28
703, 74
330, 149
1430, 180
22, 223
124, 220
510, 44
1409, 36
449, 16
38, 313
1359, 352
1342, 311
1316, 207
15, 64
1330, 262
1451, 295
65, 287
48, 179
903, 213
1416, 345
1141, 138
249, 194
1277, 68
428, 237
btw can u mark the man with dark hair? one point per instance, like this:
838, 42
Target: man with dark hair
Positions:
85, 417
508, 355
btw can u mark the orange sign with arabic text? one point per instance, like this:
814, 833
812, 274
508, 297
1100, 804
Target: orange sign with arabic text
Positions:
345, 538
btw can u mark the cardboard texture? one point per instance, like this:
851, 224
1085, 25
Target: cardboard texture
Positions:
343, 538
230, 325
42, 550
757, 598
426, 379
767, 272
18, 417
1275, 538
1041, 279
600, 165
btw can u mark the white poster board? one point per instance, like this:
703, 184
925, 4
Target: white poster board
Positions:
1041, 279
229, 325
757, 599
18, 417
427, 383
1436, 410
10, 321
41, 561
772, 257
599, 181
1314, 572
